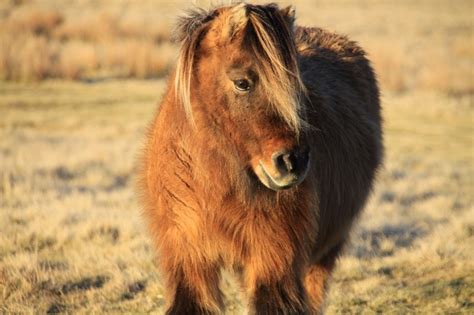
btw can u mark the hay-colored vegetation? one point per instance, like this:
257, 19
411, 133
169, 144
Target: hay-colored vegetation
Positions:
428, 46
71, 236
84, 41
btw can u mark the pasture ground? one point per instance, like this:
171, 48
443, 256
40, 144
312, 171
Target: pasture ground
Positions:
72, 239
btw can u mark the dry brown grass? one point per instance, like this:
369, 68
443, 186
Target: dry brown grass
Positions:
39, 43
37, 21
389, 64
424, 46
73, 240
71, 236
453, 74
135, 58
76, 59
26, 57
32, 58
429, 46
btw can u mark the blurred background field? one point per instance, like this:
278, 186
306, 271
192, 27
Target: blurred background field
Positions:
80, 80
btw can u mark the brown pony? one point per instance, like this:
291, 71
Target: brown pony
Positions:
261, 155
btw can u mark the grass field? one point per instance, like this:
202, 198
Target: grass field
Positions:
71, 236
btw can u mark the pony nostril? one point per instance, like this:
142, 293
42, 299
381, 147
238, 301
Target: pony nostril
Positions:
290, 162
284, 161
287, 158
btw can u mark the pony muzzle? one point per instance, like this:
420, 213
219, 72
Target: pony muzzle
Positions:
286, 169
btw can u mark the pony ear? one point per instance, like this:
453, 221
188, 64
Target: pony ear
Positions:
289, 14
235, 22
189, 23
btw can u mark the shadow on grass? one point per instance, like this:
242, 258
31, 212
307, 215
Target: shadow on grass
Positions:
384, 241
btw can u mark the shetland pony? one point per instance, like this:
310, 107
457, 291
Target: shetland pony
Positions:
261, 155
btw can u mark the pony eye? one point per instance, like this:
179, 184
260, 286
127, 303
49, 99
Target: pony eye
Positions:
242, 85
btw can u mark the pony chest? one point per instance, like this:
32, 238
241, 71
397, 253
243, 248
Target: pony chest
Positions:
255, 237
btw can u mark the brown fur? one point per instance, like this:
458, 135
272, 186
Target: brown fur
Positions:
202, 196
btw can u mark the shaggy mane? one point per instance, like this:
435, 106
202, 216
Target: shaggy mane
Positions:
270, 40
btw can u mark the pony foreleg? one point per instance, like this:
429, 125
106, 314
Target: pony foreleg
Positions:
316, 280
196, 291
285, 296
315, 283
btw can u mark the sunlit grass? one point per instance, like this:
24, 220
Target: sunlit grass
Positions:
72, 237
